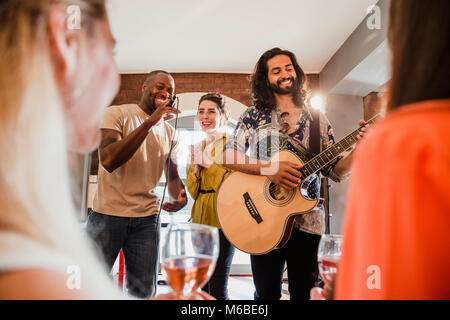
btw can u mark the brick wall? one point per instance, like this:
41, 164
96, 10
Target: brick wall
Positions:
235, 86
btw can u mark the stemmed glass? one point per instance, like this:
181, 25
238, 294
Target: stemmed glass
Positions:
328, 255
189, 256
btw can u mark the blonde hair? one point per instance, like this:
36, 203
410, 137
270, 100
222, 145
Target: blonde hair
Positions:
35, 196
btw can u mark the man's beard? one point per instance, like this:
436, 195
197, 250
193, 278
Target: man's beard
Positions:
149, 102
277, 89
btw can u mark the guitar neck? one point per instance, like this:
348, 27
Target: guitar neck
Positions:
330, 154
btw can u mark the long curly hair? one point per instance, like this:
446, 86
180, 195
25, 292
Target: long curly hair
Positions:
262, 94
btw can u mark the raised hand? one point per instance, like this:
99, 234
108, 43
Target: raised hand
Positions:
163, 111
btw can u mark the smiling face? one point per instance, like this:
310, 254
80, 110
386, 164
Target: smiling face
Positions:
157, 90
209, 116
281, 74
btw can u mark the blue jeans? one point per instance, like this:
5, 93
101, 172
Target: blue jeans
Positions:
217, 286
300, 254
138, 239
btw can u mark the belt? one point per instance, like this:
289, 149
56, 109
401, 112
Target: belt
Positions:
206, 191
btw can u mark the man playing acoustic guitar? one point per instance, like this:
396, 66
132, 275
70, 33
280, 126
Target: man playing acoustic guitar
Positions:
279, 106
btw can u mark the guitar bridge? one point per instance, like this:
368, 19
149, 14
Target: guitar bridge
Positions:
252, 208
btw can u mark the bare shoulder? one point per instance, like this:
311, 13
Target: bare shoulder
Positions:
38, 284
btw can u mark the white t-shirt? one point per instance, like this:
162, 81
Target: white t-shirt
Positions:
129, 190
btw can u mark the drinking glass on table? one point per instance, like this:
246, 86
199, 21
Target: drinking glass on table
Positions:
189, 257
328, 256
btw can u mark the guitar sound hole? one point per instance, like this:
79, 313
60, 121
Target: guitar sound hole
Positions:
278, 193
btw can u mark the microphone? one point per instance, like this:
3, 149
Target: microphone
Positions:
172, 104
172, 101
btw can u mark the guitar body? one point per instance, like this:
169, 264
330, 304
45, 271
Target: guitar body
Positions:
254, 218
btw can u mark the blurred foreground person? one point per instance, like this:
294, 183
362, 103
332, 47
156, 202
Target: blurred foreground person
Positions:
57, 75
396, 223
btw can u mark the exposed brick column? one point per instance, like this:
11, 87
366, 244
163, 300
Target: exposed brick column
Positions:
313, 82
373, 104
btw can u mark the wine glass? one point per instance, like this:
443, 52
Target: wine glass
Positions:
328, 255
189, 257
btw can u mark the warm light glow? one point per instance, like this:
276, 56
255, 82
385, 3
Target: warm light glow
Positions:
318, 103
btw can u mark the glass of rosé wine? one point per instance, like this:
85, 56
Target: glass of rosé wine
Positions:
328, 255
189, 257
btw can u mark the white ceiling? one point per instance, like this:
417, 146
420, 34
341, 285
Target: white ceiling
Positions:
229, 35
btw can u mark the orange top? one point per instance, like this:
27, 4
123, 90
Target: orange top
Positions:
397, 221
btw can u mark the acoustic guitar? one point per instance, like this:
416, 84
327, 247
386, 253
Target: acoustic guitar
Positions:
256, 215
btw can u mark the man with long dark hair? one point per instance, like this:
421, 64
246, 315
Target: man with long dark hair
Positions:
281, 120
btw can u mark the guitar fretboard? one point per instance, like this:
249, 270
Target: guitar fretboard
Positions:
330, 154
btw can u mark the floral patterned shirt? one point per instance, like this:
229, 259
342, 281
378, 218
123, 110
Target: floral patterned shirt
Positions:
259, 134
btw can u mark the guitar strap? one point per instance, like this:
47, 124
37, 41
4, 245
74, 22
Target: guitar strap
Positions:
314, 150
314, 134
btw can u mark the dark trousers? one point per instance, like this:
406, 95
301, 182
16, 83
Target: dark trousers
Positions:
138, 239
217, 286
300, 254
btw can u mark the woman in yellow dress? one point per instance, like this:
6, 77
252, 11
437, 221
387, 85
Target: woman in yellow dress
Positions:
204, 176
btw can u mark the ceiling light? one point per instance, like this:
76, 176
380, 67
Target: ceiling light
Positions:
318, 102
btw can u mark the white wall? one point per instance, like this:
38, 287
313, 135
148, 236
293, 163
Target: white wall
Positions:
344, 113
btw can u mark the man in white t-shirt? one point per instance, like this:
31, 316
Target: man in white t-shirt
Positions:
134, 152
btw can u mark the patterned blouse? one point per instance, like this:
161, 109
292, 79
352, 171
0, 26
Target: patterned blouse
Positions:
259, 134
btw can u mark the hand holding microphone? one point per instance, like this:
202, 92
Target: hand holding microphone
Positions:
166, 111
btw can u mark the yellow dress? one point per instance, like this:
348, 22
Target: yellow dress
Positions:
203, 189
